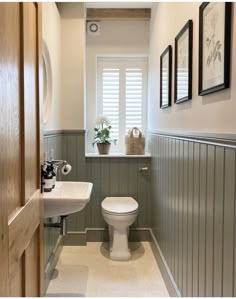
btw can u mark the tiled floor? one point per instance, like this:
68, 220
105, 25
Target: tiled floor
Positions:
86, 271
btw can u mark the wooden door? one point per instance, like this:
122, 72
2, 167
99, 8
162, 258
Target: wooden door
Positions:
21, 225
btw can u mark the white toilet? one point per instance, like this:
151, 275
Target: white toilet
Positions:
119, 213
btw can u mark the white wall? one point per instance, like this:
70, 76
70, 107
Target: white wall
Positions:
73, 65
213, 113
51, 30
116, 38
73, 59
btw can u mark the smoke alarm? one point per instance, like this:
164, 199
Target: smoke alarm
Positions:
93, 28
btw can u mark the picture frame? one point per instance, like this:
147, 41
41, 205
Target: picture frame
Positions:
214, 46
183, 63
165, 77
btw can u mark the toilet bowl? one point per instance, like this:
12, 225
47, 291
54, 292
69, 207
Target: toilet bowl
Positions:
119, 213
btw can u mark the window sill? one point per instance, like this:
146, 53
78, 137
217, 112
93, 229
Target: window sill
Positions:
116, 155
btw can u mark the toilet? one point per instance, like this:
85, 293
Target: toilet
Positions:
119, 213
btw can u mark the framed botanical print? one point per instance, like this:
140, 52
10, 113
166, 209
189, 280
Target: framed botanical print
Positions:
214, 46
183, 63
165, 77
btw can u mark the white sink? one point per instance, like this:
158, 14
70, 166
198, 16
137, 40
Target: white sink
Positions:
66, 198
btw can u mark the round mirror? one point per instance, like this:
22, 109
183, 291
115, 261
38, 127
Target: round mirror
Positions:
47, 83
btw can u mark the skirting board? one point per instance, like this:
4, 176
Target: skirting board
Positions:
165, 271
101, 235
48, 272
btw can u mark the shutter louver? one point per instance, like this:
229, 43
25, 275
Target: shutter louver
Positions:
111, 98
133, 98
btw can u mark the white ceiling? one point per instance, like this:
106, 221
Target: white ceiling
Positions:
121, 4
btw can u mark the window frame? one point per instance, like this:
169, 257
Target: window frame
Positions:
122, 63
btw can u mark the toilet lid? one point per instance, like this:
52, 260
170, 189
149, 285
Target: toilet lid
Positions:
119, 205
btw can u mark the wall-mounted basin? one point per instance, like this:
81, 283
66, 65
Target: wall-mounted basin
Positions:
66, 198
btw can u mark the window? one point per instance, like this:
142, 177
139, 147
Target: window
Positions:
121, 94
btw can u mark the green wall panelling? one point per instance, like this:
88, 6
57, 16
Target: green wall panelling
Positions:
193, 211
218, 221
210, 220
202, 220
118, 177
190, 220
228, 222
185, 218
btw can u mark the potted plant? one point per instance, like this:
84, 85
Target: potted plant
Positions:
102, 135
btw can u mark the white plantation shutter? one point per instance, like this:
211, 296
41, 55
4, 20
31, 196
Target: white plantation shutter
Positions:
134, 94
111, 97
121, 94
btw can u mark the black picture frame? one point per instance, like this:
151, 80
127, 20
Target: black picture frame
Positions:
225, 45
187, 58
166, 57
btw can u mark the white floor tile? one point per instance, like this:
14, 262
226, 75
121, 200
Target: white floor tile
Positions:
87, 271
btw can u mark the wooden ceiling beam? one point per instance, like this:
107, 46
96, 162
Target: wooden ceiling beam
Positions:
117, 14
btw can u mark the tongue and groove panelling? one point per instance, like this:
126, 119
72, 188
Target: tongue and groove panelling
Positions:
110, 177
193, 212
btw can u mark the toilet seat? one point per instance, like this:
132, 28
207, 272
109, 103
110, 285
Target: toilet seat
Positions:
119, 206
119, 214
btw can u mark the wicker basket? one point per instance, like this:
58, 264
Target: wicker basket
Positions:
135, 142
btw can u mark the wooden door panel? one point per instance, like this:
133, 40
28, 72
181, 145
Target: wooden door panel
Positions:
10, 197
21, 225
17, 282
30, 99
32, 265
22, 230
9, 82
